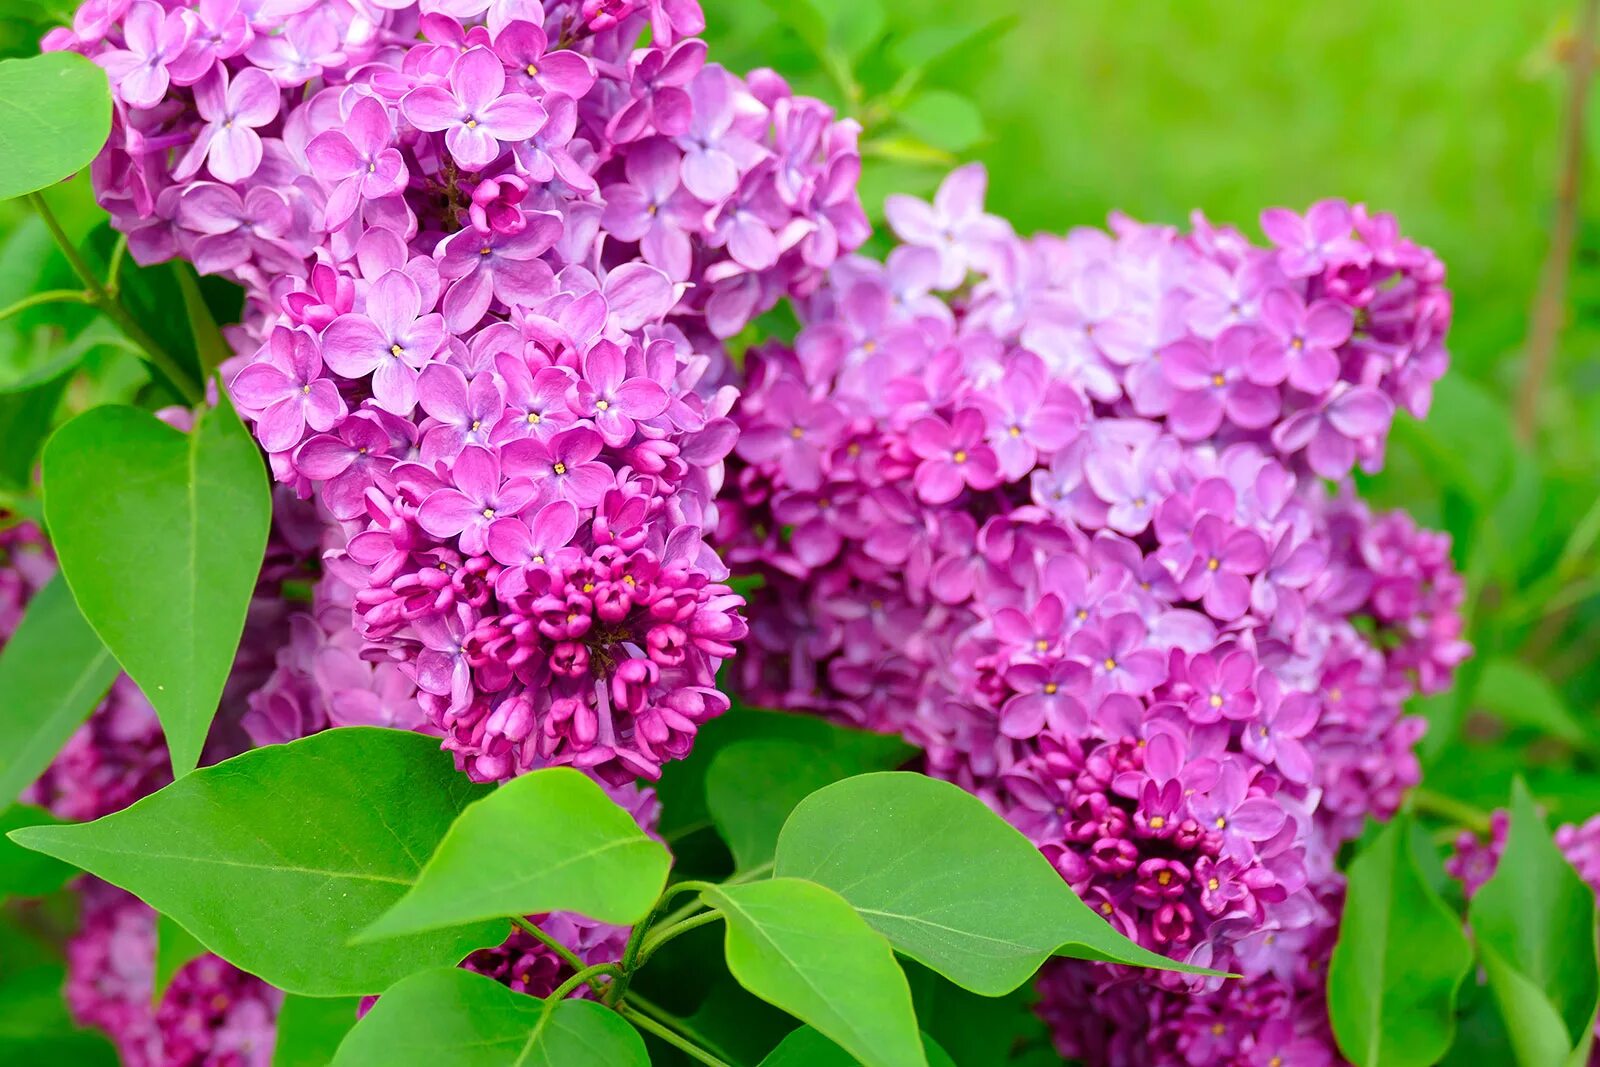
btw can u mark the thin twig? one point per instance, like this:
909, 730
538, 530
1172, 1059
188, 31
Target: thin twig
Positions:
1550, 302
1427, 802
568, 957
49, 296
153, 353
667, 933
677, 1041
677, 1023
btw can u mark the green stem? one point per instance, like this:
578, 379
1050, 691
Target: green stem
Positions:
1427, 802
587, 975
666, 933
569, 957
676, 1023
114, 271
49, 296
671, 1037
157, 356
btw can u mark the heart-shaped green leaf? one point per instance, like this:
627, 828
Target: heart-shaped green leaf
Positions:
53, 671
752, 786
547, 841
1400, 959
454, 1018
1534, 923
924, 862
806, 1047
275, 859
801, 947
55, 116
161, 535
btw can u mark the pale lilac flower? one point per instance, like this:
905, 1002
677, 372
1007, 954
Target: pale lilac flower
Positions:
953, 456
475, 113
233, 109
1301, 343
154, 40
360, 156
391, 340
564, 468
480, 497
288, 389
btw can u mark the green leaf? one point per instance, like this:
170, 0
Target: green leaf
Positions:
1399, 961
924, 862
682, 788
27, 412
210, 346
803, 948
1534, 923
55, 116
927, 44
161, 535
972, 1028
454, 1018
53, 672
175, 947
806, 1047
943, 119
276, 858
1520, 696
752, 786
547, 841
854, 26
24, 873
311, 1028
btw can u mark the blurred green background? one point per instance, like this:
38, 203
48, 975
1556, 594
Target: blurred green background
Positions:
1449, 115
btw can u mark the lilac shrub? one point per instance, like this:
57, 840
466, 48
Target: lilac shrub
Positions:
1072, 514
490, 251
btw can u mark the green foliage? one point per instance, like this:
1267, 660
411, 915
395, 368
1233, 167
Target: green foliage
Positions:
454, 1018
1534, 923
311, 1028
161, 534
547, 841
752, 786
53, 671
806, 1047
803, 948
947, 881
55, 115
1401, 957
275, 859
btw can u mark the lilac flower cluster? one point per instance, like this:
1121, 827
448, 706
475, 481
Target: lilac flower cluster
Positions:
490, 250
210, 1015
1276, 1019
1055, 510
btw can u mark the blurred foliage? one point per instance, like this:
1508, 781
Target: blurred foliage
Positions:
1449, 117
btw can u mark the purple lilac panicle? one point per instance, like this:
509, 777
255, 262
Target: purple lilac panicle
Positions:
1056, 509
491, 250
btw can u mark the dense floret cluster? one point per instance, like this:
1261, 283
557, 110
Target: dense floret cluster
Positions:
1058, 511
490, 250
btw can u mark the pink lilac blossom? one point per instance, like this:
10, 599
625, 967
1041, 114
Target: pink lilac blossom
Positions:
490, 250
1058, 510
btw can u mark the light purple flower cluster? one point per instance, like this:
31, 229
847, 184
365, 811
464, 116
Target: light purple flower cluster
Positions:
490, 249
1054, 510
